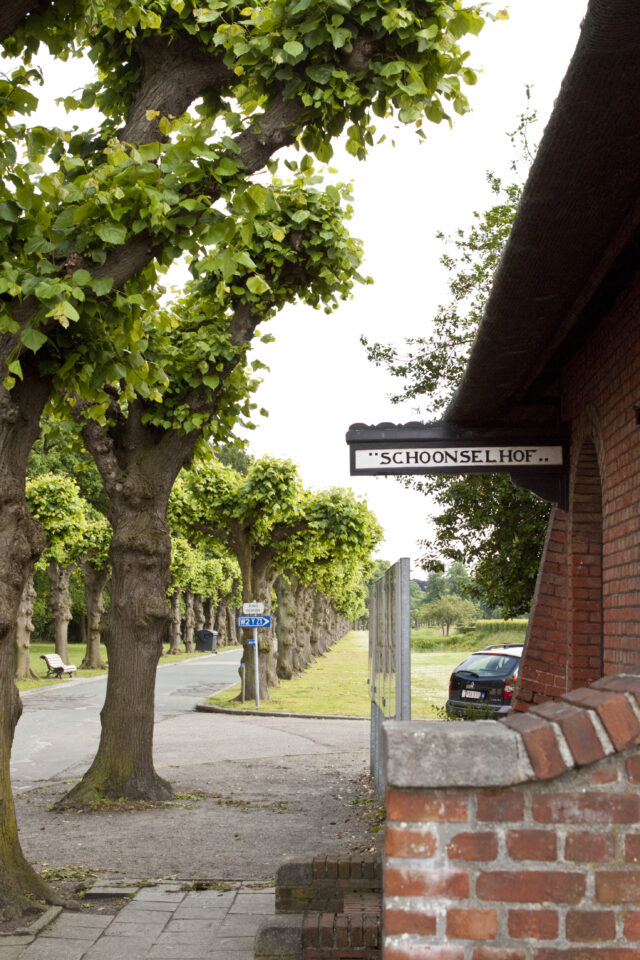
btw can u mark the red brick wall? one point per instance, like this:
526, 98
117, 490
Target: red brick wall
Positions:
544, 868
587, 609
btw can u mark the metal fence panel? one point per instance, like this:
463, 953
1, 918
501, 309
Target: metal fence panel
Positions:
389, 657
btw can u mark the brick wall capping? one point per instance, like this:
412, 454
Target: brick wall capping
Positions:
433, 753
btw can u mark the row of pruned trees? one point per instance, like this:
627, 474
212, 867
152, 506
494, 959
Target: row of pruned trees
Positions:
253, 536
315, 543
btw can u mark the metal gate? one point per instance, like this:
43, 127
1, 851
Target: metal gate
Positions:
389, 658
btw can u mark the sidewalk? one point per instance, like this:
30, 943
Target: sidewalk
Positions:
162, 922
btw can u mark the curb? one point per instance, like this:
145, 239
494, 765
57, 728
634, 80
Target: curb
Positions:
32, 929
208, 708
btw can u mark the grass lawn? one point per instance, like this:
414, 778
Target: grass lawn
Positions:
76, 654
337, 682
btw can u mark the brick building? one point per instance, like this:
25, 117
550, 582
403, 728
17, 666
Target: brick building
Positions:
520, 840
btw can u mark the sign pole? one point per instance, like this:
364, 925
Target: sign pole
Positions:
256, 668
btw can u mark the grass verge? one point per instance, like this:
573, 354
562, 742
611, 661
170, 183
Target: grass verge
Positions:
76, 654
337, 683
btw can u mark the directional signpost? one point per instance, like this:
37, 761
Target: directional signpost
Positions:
258, 622
254, 619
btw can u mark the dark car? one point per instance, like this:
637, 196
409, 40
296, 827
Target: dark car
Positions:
484, 683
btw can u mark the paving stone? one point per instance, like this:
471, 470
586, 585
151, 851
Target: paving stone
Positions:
67, 931
195, 926
193, 911
148, 906
9, 951
48, 948
262, 903
239, 925
201, 939
95, 920
229, 948
148, 930
115, 948
171, 894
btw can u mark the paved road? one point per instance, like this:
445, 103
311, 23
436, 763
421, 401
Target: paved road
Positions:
60, 724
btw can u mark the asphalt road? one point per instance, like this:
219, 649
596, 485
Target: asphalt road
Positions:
60, 724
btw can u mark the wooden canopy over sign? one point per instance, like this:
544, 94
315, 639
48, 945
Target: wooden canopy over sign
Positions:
535, 461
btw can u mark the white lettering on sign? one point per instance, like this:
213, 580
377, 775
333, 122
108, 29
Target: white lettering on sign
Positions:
253, 608
457, 459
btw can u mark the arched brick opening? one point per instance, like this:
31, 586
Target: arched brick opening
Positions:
585, 571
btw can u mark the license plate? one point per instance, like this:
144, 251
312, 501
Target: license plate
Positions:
472, 694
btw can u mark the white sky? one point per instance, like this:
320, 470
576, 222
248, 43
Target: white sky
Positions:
319, 380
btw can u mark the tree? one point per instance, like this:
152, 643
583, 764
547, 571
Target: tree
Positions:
195, 381
89, 217
96, 572
55, 501
270, 522
448, 609
484, 521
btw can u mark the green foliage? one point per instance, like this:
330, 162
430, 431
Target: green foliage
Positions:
484, 629
54, 500
75, 531
73, 199
60, 452
447, 610
323, 538
498, 529
206, 576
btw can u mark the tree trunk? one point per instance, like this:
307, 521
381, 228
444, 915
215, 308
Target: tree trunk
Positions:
257, 581
221, 624
138, 466
82, 630
95, 582
233, 628
304, 601
175, 634
189, 620
210, 613
60, 603
285, 592
198, 613
318, 639
21, 543
24, 629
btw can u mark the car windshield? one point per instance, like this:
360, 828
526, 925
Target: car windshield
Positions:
489, 664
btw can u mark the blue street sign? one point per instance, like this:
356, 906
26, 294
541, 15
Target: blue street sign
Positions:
254, 621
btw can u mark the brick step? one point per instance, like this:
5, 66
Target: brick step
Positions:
323, 883
352, 935
327, 909
355, 935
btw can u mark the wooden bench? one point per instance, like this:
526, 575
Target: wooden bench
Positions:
56, 666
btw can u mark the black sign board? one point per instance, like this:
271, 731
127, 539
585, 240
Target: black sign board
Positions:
535, 461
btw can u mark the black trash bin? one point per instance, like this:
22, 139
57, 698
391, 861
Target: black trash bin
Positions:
206, 640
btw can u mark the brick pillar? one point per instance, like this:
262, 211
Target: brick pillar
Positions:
517, 840
544, 668
585, 570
